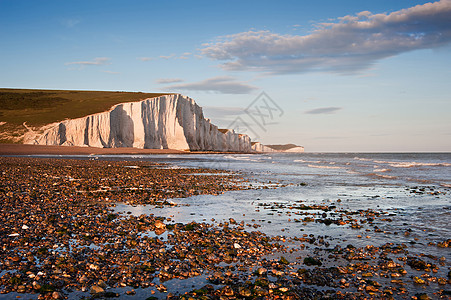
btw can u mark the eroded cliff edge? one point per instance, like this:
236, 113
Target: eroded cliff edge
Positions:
166, 122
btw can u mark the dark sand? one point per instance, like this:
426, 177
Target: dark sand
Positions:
21, 149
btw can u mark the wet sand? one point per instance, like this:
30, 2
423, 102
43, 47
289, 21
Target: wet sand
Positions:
21, 149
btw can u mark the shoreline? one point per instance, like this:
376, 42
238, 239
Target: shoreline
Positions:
26, 149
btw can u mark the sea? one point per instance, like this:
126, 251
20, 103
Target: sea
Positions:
414, 189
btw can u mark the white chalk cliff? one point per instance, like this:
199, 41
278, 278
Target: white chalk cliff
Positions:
166, 122
258, 147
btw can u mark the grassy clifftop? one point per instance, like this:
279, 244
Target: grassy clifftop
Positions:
40, 107
282, 147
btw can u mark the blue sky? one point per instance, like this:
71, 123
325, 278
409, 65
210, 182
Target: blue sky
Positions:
337, 75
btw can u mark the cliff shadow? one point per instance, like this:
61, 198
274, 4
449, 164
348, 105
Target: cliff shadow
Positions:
189, 124
154, 137
62, 133
121, 128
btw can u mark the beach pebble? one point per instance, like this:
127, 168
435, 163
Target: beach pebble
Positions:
227, 291
159, 224
95, 289
102, 284
418, 280
261, 271
83, 279
83, 245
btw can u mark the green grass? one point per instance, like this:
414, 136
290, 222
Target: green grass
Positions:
282, 147
41, 107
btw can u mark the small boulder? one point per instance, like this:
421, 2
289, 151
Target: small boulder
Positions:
95, 289
160, 225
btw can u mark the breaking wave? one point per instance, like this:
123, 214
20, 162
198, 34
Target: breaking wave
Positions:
307, 161
382, 176
416, 164
324, 167
405, 164
381, 170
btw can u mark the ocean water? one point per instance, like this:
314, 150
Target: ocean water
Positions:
412, 189
358, 169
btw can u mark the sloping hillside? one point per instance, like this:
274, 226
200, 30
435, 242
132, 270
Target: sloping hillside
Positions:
282, 147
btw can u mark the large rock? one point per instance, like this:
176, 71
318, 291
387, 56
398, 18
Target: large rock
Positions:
166, 122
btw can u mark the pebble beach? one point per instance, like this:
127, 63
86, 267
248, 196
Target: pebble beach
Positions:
69, 231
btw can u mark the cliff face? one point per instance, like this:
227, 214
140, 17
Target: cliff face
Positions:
166, 122
258, 147
295, 149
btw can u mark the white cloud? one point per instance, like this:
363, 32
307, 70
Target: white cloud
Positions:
145, 58
168, 80
96, 62
323, 110
185, 55
167, 56
221, 84
349, 45
111, 72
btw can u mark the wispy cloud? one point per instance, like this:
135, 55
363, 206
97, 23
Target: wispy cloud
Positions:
111, 72
221, 84
185, 55
323, 110
145, 58
347, 45
167, 56
99, 61
168, 80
